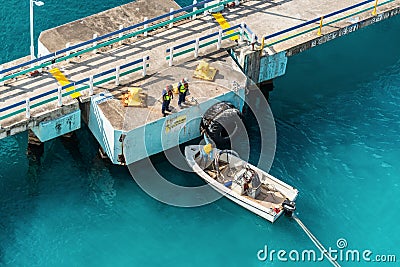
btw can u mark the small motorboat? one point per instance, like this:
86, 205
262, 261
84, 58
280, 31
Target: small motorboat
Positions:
241, 182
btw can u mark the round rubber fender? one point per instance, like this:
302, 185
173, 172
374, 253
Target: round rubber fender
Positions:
221, 122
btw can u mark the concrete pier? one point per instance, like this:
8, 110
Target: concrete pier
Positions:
138, 132
258, 35
102, 23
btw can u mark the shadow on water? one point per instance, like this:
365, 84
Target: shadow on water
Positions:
17, 195
95, 171
62, 168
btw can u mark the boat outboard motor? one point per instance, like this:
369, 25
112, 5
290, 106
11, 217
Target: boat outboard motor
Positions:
288, 207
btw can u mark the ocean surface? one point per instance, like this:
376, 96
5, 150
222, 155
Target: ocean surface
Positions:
337, 113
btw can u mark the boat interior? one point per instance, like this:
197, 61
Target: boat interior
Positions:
229, 170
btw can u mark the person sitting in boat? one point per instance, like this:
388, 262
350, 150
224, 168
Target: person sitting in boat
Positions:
251, 178
249, 174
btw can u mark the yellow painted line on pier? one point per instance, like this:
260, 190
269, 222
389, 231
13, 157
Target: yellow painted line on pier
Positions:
62, 80
224, 24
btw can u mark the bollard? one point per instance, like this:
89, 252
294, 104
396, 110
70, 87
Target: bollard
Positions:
59, 94
205, 11
375, 6
194, 9
145, 27
120, 34
171, 56
1, 76
144, 66
219, 39
68, 52
320, 26
196, 47
171, 17
117, 75
95, 43
91, 85
241, 31
28, 108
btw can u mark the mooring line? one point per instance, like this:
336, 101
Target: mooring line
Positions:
316, 242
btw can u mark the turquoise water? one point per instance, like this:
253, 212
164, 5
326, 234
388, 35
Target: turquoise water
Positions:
338, 122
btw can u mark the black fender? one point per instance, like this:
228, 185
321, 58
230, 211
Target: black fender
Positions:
221, 122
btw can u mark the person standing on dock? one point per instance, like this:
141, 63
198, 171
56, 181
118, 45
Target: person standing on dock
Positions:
183, 87
166, 96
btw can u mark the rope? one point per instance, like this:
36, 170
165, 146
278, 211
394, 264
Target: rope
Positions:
316, 242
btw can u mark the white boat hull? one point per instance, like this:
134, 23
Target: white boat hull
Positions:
249, 204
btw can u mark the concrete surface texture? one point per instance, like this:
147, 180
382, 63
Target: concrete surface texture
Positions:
267, 17
128, 118
104, 22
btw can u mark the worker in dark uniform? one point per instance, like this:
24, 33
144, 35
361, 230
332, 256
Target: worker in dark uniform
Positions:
183, 87
166, 96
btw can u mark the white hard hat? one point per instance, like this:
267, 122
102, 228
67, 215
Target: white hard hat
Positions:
185, 80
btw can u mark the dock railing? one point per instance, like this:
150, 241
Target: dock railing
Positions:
125, 33
88, 83
239, 31
108, 39
268, 39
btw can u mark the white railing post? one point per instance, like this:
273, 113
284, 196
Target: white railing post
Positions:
144, 66
205, 11
219, 39
120, 34
196, 47
28, 108
59, 94
241, 30
1, 76
91, 85
171, 17
117, 75
145, 27
40, 63
67, 45
253, 40
95, 43
194, 9
171, 56
241, 57
53, 61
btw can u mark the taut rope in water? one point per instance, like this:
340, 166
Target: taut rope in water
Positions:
316, 241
